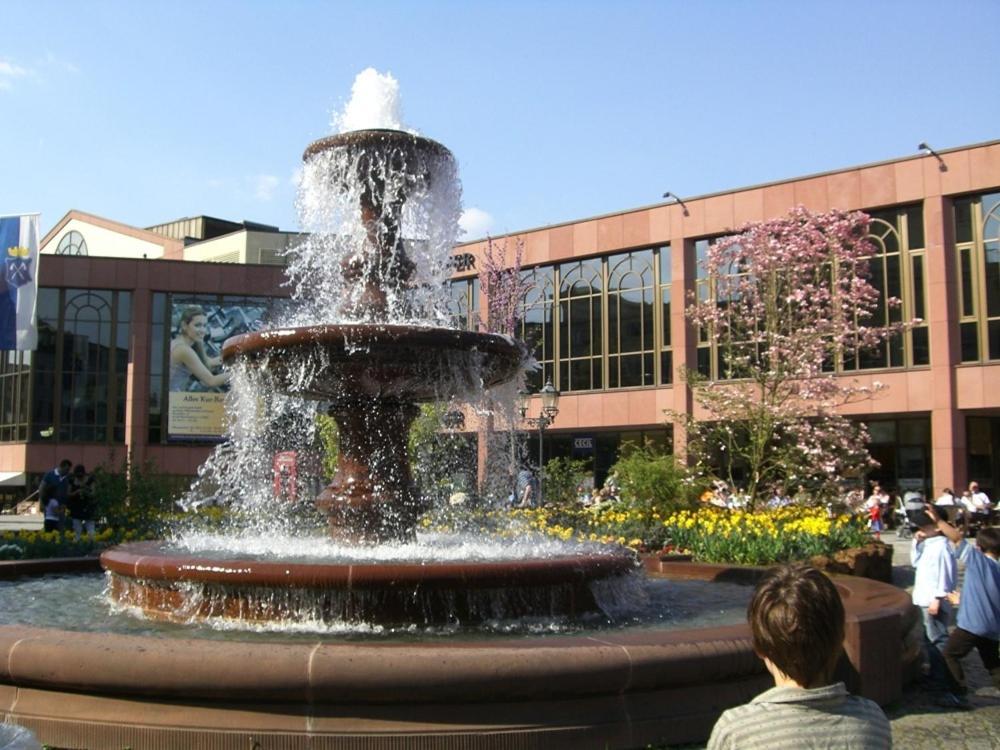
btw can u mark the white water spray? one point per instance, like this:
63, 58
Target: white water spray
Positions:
375, 103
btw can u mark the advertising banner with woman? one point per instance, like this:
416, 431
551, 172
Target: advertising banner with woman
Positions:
197, 380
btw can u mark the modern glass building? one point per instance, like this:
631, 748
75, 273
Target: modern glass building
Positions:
605, 315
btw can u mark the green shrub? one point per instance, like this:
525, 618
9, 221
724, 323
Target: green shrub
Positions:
652, 480
560, 481
136, 496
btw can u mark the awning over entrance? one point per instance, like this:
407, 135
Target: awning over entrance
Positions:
12, 478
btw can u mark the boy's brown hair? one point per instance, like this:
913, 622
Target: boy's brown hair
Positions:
988, 540
797, 621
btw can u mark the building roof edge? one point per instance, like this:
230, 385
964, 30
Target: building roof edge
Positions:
745, 188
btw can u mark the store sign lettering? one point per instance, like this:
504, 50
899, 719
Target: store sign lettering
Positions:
463, 262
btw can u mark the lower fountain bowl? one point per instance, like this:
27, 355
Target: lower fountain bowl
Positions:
185, 588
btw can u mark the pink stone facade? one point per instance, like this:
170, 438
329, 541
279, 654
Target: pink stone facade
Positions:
946, 391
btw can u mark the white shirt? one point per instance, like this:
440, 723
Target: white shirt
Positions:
980, 501
52, 510
934, 569
946, 499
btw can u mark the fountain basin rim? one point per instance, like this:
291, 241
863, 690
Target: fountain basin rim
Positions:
145, 560
370, 136
384, 673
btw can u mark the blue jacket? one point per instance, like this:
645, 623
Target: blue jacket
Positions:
54, 485
979, 608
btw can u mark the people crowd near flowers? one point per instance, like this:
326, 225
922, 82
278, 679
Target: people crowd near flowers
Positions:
67, 492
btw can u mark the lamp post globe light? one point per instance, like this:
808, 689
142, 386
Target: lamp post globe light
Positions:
546, 416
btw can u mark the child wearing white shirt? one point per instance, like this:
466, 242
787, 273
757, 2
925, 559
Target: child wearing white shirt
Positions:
935, 576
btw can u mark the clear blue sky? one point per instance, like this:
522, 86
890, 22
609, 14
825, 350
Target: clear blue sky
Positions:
145, 111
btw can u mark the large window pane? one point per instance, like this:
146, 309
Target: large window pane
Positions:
665, 311
963, 220
965, 271
969, 334
666, 368
993, 336
630, 316
915, 227
919, 306
921, 346
991, 257
665, 269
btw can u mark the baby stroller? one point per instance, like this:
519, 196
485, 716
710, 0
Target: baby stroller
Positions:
905, 513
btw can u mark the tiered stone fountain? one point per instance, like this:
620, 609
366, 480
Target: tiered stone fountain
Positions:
372, 374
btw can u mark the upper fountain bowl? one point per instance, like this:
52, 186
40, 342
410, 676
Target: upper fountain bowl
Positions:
380, 139
393, 362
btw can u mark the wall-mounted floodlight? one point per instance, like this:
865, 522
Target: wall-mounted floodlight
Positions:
677, 200
928, 151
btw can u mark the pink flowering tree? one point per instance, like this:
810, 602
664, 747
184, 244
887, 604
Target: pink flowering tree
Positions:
502, 285
504, 289
787, 301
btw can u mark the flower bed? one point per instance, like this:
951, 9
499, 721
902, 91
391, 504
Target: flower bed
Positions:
710, 534
764, 537
35, 545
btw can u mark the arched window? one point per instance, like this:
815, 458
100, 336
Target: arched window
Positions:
72, 243
87, 366
630, 319
977, 243
886, 276
458, 302
991, 275
580, 333
536, 326
666, 349
896, 271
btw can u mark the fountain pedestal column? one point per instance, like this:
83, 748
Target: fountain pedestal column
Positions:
372, 498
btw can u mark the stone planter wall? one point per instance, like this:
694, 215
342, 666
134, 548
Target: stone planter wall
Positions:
873, 561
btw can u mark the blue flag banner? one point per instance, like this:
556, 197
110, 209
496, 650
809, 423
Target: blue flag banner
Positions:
19, 250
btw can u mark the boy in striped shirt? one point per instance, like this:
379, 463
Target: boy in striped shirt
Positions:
797, 625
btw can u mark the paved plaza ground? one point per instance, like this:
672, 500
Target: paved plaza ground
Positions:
919, 724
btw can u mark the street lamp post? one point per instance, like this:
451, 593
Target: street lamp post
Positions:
546, 416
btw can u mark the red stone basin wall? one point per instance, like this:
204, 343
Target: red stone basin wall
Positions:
612, 690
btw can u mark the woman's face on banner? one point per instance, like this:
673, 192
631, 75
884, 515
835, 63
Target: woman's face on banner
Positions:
195, 328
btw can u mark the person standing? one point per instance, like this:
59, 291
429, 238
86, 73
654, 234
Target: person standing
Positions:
527, 489
981, 505
978, 604
935, 575
946, 499
80, 501
948, 504
53, 492
873, 507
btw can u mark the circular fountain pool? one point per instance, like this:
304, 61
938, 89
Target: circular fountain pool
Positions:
80, 603
587, 687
